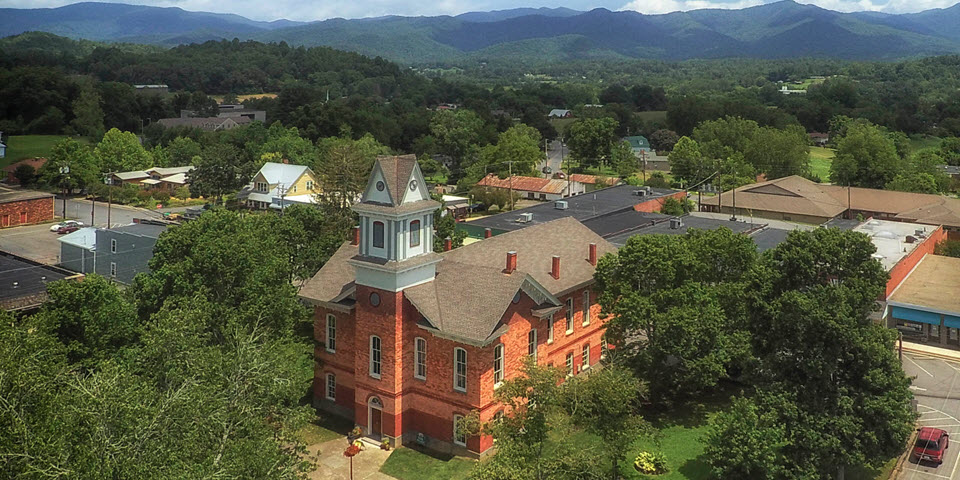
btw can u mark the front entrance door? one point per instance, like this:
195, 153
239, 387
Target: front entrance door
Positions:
375, 416
376, 422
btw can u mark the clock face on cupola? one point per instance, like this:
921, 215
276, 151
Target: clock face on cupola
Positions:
396, 226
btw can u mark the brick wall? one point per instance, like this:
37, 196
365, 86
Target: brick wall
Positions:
906, 264
37, 210
340, 362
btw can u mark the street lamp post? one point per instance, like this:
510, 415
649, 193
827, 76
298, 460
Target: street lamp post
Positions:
64, 183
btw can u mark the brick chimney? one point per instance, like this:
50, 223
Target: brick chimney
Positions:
555, 270
355, 236
511, 262
447, 244
487, 233
593, 254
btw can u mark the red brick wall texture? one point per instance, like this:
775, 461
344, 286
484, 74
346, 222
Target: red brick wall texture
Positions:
26, 212
412, 405
651, 206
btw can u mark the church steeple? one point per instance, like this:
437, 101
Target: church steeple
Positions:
396, 226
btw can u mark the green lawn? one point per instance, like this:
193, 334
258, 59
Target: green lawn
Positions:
820, 160
324, 429
30, 146
653, 116
922, 142
409, 464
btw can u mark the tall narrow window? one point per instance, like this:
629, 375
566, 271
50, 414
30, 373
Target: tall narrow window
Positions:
586, 308
459, 437
331, 333
331, 386
113, 269
550, 329
375, 356
460, 369
585, 358
420, 354
113, 245
497, 365
569, 315
378, 234
570, 363
532, 343
604, 347
415, 233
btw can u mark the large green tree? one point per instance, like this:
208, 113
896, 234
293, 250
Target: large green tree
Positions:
344, 166
220, 169
592, 139
84, 169
779, 153
518, 150
866, 157
121, 151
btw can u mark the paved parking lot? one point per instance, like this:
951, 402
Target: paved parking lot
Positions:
937, 390
35, 242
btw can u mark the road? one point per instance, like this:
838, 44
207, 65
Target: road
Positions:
556, 151
81, 209
937, 390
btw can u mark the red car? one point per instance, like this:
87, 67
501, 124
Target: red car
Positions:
931, 445
68, 229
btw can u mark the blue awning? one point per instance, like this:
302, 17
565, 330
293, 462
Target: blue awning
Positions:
911, 315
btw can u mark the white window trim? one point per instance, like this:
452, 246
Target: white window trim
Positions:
456, 419
585, 357
113, 269
586, 308
550, 329
535, 339
455, 386
416, 358
327, 392
379, 354
418, 233
498, 370
113, 245
569, 316
569, 364
330, 316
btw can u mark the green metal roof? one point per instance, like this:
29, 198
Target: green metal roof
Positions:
637, 142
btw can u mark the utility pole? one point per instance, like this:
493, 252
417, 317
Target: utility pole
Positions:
849, 206
510, 182
64, 183
643, 160
283, 193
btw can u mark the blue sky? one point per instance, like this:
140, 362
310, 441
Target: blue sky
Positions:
306, 10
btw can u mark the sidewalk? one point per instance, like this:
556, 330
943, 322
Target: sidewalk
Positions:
332, 465
932, 351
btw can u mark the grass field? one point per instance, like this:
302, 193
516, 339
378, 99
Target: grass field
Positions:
30, 146
820, 160
324, 428
653, 116
409, 464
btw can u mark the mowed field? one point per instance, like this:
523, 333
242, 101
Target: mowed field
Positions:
820, 160
30, 146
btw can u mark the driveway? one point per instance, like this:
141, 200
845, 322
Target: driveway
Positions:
937, 390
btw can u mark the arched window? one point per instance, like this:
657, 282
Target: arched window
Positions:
415, 233
420, 357
497, 365
331, 386
375, 356
460, 369
378, 234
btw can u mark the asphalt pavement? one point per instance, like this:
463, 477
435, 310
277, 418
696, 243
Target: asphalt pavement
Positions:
937, 389
556, 151
96, 214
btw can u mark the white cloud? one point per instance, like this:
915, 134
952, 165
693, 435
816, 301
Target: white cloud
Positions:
887, 6
667, 6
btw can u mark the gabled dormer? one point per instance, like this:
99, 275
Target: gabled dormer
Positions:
395, 181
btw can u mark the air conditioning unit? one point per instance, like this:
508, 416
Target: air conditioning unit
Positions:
525, 218
675, 223
640, 193
561, 205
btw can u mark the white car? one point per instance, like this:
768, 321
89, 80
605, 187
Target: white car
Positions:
68, 223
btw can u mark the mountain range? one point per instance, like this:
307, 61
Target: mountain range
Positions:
778, 30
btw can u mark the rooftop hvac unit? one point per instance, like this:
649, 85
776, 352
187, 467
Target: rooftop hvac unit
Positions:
525, 218
675, 223
646, 188
561, 205
640, 193
920, 233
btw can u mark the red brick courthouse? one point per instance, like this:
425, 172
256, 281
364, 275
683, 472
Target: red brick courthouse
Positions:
410, 340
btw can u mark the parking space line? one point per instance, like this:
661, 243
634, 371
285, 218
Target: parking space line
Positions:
926, 473
924, 370
937, 419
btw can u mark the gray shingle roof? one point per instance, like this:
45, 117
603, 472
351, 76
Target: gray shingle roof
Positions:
396, 171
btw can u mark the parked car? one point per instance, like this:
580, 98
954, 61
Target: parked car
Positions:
67, 229
68, 223
931, 445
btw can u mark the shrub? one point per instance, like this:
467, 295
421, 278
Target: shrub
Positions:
651, 463
657, 180
677, 208
182, 193
161, 196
